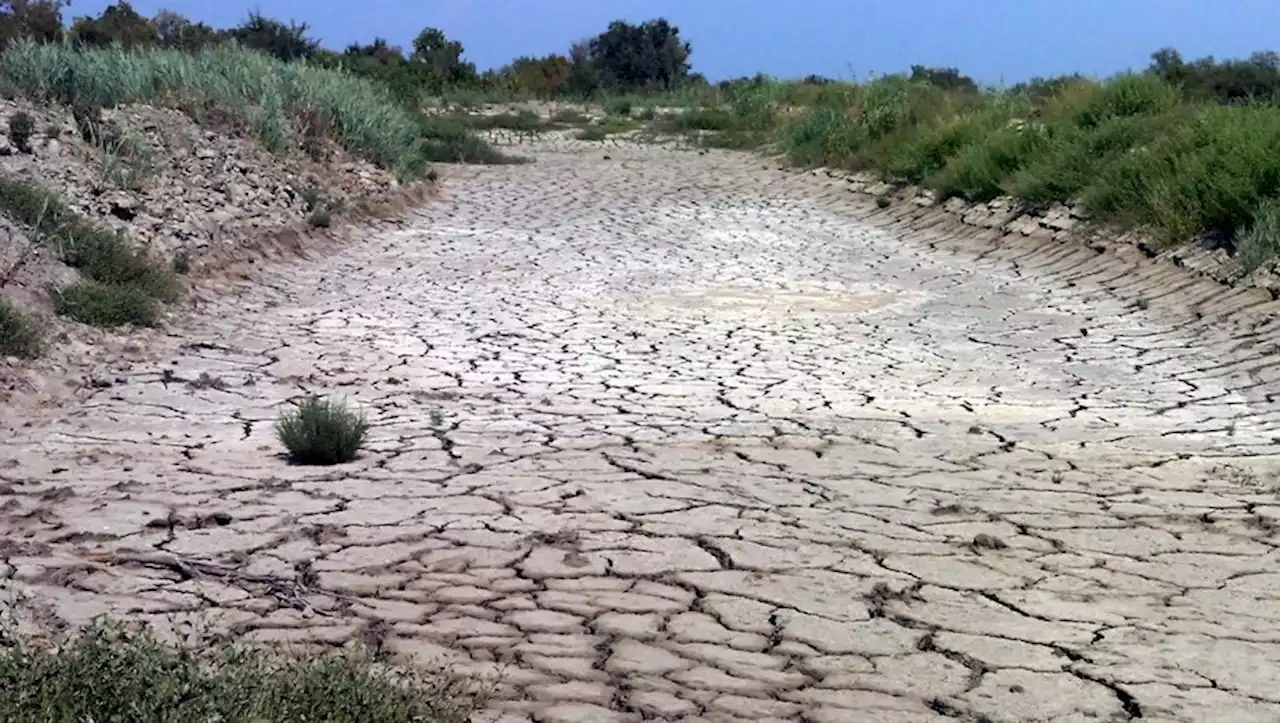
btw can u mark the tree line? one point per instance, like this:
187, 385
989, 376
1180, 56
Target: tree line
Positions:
625, 57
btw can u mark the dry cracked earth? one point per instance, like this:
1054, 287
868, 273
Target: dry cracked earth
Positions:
669, 436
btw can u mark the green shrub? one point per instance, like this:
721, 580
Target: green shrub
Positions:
109, 672
21, 128
1260, 241
320, 218
594, 133
106, 305
619, 106
19, 334
321, 432
1210, 173
822, 136
978, 172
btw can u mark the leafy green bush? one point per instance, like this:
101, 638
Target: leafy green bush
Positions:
19, 334
109, 672
321, 432
1210, 173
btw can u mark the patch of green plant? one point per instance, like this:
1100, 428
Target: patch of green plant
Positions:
320, 218
310, 197
118, 277
20, 336
280, 102
321, 432
106, 305
108, 671
1208, 174
128, 159
591, 133
447, 140
619, 106
1258, 243
21, 128
978, 172
523, 120
570, 117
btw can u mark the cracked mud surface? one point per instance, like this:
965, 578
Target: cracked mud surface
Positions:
677, 437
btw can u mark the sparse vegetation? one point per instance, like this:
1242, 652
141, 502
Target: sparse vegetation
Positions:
110, 672
19, 335
121, 284
21, 128
320, 218
106, 305
321, 432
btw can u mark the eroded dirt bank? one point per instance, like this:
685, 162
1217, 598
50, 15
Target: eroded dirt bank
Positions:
672, 436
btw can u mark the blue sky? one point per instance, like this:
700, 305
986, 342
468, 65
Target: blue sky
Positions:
992, 40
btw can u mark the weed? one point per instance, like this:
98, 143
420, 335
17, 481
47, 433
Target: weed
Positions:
321, 432
182, 262
108, 671
127, 159
594, 133
21, 128
883, 202
310, 196
570, 117
106, 305
19, 335
1260, 242
619, 107
320, 218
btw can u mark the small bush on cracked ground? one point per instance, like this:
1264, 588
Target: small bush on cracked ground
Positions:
108, 672
321, 432
19, 334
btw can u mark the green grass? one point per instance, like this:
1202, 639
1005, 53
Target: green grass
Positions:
110, 672
321, 432
280, 103
1130, 150
107, 305
20, 336
121, 285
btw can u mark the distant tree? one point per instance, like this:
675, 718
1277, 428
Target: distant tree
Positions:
175, 32
39, 20
950, 79
442, 58
648, 55
544, 77
275, 38
119, 24
1227, 81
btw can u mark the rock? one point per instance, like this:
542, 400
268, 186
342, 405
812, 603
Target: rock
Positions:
122, 206
1024, 224
6, 148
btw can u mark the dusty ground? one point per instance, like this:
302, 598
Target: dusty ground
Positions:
672, 436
